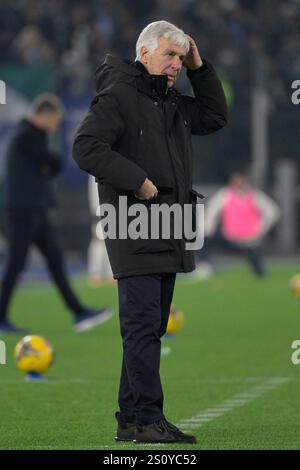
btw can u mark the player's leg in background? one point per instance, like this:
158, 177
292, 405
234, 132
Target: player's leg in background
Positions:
255, 259
204, 263
20, 228
252, 254
47, 244
99, 270
85, 318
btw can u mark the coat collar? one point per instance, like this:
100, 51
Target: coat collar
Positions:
152, 85
113, 69
157, 83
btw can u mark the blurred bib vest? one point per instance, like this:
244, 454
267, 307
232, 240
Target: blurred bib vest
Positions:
241, 218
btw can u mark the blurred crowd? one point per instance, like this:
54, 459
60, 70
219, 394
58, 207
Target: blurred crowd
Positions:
248, 40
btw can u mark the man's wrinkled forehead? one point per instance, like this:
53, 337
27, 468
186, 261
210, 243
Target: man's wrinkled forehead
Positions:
166, 45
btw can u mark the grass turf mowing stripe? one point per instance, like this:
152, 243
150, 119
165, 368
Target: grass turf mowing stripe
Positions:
228, 405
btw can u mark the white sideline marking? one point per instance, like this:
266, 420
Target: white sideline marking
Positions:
239, 399
89, 446
231, 380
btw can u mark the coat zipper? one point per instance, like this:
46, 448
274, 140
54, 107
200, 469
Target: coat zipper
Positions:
170, 155
174, 172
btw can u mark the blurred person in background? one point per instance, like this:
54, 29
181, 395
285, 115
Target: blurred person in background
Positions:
32, 48
2, 247
99, 270
28, 198
238, 216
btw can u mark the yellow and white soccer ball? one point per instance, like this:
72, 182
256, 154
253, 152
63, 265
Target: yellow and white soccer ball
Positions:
176, 320
295, 286
34, 354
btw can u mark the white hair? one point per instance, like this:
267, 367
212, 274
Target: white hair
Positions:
160, 29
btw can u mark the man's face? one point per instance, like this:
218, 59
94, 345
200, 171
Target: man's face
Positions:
52, 121
165, 60
239, 181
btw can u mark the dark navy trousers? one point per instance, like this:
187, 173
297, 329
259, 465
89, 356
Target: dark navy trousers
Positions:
144, 306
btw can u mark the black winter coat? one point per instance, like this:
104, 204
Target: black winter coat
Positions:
136, 128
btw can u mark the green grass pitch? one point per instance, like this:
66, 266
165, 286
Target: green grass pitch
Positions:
237, 335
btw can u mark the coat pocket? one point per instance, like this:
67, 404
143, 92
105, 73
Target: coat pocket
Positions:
153, 246
156, 245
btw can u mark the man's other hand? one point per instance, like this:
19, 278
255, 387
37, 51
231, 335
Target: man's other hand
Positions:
147, 190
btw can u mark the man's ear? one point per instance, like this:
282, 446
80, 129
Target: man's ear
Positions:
144, 55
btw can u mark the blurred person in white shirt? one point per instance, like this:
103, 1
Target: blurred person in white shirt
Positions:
99, 270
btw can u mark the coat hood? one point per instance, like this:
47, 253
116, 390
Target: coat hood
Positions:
114, 70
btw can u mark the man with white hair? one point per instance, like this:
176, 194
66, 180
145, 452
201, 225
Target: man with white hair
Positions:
136, 140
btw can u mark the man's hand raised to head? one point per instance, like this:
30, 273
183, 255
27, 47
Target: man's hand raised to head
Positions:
193, 59
147, 190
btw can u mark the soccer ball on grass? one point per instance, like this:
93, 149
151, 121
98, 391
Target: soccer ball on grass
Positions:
34, 354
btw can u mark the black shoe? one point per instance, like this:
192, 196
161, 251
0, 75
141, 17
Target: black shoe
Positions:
182, 436
90, 318
161, 432
125, 431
